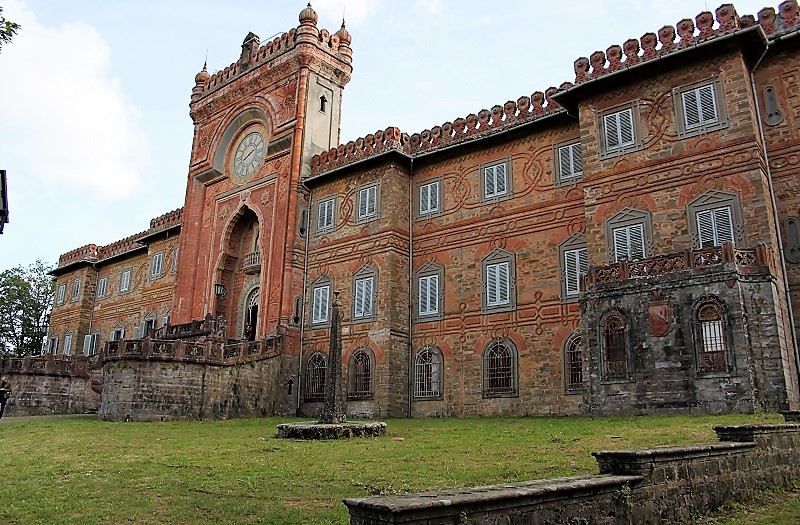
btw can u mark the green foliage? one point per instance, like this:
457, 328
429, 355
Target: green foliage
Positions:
7, 29
26, 298
83, 471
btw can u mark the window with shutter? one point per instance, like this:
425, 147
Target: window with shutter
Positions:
428, 295
363, 297
68, 343
715, 226
61, 293
326, 214
320, 302
90, 344
157, 265
699, 106
629, 242
576, 264
102, 285
619, 130
125, 281
495, 181
429, 198
497, 281
367, 202
76, 289
570, 162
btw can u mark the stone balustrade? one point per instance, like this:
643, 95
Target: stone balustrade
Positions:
757, 260
47, 365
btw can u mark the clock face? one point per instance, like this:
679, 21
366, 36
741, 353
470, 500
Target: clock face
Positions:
249, 154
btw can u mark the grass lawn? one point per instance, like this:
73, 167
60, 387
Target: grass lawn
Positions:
84, 471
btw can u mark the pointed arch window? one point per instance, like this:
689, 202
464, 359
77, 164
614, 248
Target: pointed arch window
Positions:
500, 369
315, 377
428, 373
359, 374
712, 335
615, 346
573, 364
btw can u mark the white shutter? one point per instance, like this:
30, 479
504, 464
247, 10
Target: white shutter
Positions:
500, 182
363, 298
489, 185
319, 309
723, 222
626, 127
503, 282
491, 284
497, 285
636, 235
87, 345
570, 162
429, 295
705, 228
371, 200
575, 266
612, 131
691, 109
433, 197
620, 244
68, 343
423, 295
362, 203
708, 104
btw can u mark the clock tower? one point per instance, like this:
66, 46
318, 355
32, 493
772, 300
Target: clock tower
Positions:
257, 123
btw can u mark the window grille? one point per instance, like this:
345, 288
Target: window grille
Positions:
499, 370
573, 360
713, 347
616, 358
428, 373
360, 372
315, 377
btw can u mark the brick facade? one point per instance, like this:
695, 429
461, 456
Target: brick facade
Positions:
627, 243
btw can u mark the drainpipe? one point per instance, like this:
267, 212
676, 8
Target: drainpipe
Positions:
410, 286
776, 218
303, 301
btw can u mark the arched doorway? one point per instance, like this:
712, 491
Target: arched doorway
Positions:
251, 315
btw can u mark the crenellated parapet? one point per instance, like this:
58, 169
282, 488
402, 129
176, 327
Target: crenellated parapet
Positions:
86, 253
166, 221
688, 32
253, 54
120, 247
482, 124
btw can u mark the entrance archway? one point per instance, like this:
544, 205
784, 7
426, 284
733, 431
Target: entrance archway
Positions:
251, 315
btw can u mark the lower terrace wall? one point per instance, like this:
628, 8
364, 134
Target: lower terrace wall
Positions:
48, 385
152, 380
634, 486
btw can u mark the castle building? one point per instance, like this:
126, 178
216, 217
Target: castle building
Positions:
627, 243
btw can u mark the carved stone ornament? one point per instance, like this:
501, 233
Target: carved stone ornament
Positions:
660, 315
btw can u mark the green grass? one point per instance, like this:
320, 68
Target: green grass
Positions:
84, 471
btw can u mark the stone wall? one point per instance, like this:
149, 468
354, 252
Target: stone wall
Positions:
46, 385
194, 383
634, 486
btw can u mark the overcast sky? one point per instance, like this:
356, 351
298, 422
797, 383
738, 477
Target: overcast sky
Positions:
94, 94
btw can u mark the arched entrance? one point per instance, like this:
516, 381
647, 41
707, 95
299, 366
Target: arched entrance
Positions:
251, 315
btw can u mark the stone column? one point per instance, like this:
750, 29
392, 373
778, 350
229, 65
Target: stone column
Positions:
334, 409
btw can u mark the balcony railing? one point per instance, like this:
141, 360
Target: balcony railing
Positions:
251, 264
752, 261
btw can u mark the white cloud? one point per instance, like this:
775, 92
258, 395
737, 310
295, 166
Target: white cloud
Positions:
354, 11
431, 6
66, 122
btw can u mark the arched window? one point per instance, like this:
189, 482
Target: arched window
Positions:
428, 373
500, 369
359, 374
573, 364
615, 351
251, 316
711, 335
315, 377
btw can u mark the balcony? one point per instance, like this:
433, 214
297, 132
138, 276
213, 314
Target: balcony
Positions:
251, 264
758, 260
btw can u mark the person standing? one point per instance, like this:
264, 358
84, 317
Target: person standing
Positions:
5, 393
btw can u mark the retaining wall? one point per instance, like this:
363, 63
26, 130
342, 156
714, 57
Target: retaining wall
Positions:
634, 486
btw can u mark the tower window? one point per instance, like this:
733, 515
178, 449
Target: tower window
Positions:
323, 104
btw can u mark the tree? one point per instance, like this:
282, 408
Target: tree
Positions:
7, 29
26, 299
